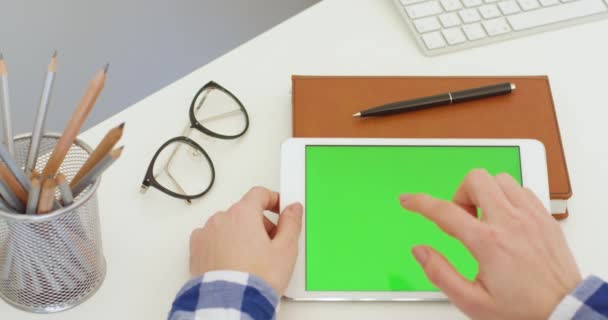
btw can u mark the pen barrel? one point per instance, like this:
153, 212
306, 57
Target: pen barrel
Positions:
439, 100
481, 92
410, 105
52, 262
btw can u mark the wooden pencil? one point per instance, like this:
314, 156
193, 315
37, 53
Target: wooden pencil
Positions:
4, 206
73, 127
32, 201
94, 173
64, 189
13, 184
105, 146
5, 103
36, 174
38, 129
47, 195
14, 168
10, 198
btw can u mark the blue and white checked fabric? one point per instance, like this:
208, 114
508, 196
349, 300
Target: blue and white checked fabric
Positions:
225, 295
231, 295
589, 301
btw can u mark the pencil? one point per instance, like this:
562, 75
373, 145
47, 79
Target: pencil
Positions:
32, 201
64, 189
6, 107
10, 197
105, 146
96, 171
12, 166
47, 195
12, 183
4, 206
36, 174
73, 127
38, 129
8, 257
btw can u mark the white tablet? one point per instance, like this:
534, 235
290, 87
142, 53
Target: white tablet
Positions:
356, 238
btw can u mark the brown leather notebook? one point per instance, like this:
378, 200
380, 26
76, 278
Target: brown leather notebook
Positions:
323, 107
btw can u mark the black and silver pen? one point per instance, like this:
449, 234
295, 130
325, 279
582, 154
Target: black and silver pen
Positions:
438, 100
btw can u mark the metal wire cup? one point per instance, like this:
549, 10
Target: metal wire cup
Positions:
52, 262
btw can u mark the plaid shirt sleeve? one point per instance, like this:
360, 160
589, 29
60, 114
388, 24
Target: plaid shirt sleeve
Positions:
588, 301
225, 295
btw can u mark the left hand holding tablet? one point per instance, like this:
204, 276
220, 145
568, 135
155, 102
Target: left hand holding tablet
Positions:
243, 239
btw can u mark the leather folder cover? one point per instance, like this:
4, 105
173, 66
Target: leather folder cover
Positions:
323, 107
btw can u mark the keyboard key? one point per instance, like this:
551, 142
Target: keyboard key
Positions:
424, 9
489, 11
471, 3
449, 20
469, 15
425, 25
580, 8
548, 3
451, 5
433, 40
527, 5
510, 7
496, 27
454, 36
474, 31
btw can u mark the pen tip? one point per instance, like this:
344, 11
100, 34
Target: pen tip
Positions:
513, 87
358, 114
106, 67
122, 125
54, 54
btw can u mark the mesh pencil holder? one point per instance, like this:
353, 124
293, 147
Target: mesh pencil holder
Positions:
52, 262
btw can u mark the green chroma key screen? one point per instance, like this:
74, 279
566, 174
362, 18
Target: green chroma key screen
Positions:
358, 237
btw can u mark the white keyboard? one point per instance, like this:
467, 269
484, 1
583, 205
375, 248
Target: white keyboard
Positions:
442, 26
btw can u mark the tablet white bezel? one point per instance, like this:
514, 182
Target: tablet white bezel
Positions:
534, 176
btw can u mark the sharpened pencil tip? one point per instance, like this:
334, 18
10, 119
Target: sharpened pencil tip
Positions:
1, 56
358, 114
54, 54
106, 67
116, 152
122, 125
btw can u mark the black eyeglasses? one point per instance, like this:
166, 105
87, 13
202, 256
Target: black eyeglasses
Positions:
181, 168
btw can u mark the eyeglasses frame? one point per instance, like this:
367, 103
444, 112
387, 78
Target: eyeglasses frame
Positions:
150, 178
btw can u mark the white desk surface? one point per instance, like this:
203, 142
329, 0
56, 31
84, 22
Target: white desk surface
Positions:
146, 236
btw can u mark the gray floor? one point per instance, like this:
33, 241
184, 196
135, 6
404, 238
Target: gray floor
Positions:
149, 43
